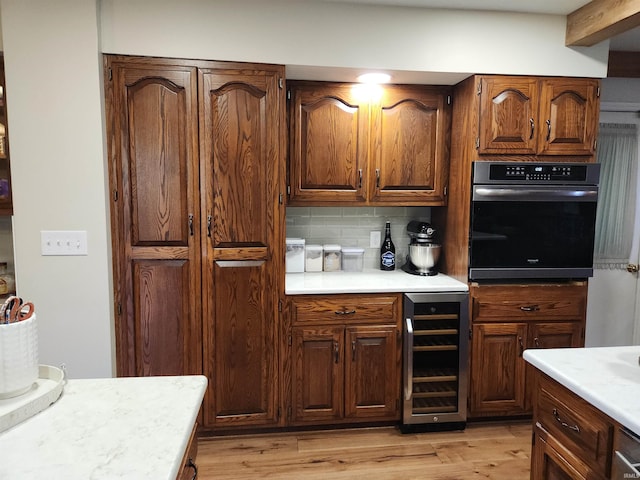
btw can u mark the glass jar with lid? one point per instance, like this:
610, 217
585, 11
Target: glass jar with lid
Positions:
7, 280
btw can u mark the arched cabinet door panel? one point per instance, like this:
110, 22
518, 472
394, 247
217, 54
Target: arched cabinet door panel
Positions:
329, 131
153, 142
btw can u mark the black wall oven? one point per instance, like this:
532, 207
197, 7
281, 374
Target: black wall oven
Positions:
532, 220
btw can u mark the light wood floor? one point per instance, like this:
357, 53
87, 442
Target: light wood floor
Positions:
497, 451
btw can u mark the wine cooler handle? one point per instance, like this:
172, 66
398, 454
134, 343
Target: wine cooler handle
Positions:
408, 351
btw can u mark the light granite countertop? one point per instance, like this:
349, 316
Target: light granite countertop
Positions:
606, 377
369, 281
113, 428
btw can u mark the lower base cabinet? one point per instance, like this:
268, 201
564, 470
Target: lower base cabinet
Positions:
572, 439
344, 359
506, 320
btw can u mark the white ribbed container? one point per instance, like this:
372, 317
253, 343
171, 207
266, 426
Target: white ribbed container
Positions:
18, 357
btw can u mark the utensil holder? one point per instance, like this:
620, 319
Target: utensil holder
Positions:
18, 357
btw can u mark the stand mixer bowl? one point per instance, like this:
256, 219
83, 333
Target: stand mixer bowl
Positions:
424, 256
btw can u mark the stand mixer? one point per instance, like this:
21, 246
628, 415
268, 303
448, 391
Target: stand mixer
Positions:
424, 253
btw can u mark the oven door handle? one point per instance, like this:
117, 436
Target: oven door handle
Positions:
408, 358
486, 193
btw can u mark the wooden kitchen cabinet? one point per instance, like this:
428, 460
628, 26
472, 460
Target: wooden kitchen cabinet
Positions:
6, 197
197, 174
329, 144
571, 438
345, 359
241, 169
153, 139
506, 320
348, 149
537, 116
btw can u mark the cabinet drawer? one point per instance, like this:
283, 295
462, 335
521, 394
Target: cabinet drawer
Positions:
344, 308
585, 431
520, 302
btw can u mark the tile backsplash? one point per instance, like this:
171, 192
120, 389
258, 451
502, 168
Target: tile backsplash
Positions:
350, 227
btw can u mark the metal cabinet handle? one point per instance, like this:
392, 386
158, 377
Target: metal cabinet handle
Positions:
536, 342
190, 464
530, 308
564, 424
377, 178
345, 312
336, 352
191, 224
353, 350
533, 127
208, 225
360, 178
521, 345
408, 350
548, 129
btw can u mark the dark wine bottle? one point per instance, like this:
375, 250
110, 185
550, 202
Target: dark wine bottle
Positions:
388, 250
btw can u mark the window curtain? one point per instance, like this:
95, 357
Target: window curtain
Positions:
616, 211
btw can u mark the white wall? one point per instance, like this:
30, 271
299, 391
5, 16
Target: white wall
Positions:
56, 124
53, 73
323, 34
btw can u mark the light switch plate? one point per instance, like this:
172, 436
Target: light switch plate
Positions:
63, 242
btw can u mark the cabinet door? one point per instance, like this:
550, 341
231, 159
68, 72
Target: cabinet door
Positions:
371, 367
154, 175
569, 110
497, 368
410, 145
6, 205
547, 463
555, 335
240, 115
317, 376
328, 135
508, 113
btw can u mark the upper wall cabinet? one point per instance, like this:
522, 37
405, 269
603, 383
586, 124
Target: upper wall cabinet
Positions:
6, 206
352, 145
533, 116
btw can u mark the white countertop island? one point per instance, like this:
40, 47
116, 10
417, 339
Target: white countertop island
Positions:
606, 377
113, 428
369, 281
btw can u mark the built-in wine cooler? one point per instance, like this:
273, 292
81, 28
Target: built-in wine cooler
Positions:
436, 356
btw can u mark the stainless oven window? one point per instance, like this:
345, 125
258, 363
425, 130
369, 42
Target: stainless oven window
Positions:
533, 234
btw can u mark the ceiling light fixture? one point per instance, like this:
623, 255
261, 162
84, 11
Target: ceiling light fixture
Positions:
374, 78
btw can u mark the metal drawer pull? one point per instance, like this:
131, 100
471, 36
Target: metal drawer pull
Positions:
533, 127
192, 465
548, 130
575, 428
530, 308
345, 312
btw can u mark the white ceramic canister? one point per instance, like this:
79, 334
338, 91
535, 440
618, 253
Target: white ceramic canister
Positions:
18, 357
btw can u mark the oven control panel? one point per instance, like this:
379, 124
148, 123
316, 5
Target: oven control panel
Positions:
488, 172
537, 173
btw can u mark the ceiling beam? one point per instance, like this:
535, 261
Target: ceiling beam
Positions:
599, 20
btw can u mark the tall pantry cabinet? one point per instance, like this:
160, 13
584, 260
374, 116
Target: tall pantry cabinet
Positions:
196, 173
